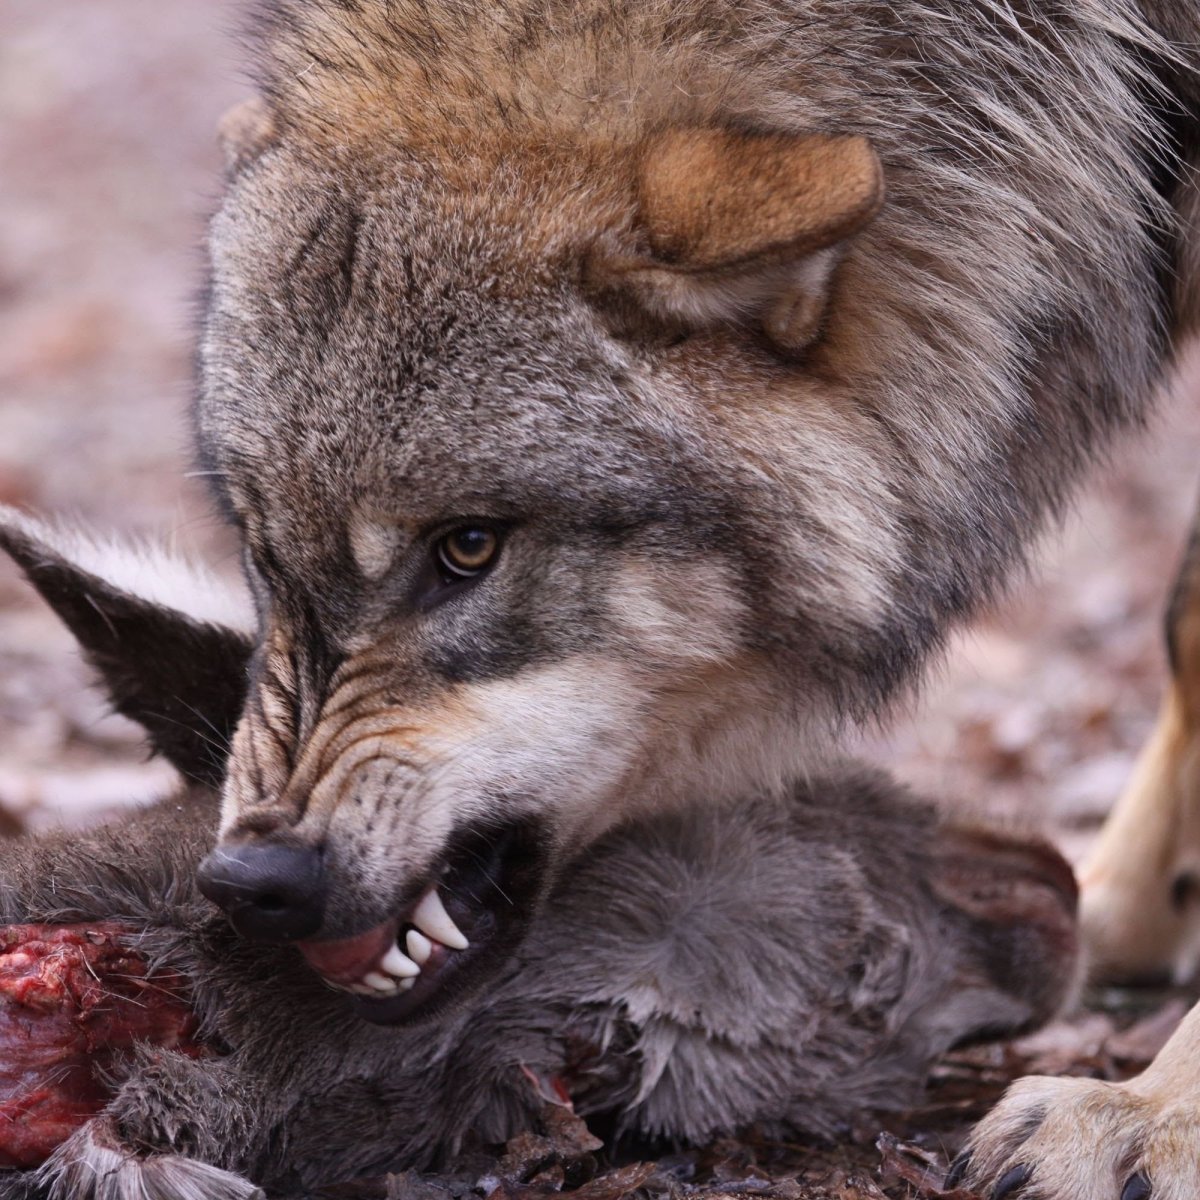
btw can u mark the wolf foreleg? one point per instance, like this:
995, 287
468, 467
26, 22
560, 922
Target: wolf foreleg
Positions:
1062, 1139
1140, 904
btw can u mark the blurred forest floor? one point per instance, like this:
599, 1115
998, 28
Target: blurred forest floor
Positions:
107, 168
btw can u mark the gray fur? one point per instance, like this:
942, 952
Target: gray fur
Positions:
95, 1164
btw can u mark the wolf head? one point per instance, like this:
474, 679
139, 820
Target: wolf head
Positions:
507, 597
598, 440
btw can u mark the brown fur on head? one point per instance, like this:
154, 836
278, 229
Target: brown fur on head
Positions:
509, 267
742, 227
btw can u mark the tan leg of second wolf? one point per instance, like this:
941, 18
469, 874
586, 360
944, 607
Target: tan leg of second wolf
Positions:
1140, 902
1080, 1139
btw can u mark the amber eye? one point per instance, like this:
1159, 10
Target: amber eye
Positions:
465, 552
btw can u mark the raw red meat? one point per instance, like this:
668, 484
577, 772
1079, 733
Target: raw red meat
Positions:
72, 999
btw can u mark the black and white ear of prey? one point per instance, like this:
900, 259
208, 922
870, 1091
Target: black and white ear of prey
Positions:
170, 642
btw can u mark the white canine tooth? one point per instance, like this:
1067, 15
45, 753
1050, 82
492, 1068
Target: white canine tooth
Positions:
381, 983
396, 962
434, 921
406, 985
419, 946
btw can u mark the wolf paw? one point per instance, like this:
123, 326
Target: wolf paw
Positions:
93, 1164
1066, 1139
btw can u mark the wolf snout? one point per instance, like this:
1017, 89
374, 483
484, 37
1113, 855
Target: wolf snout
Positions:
271, 892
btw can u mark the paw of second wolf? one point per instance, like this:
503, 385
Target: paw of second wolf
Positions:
96, 1164
1065, 1139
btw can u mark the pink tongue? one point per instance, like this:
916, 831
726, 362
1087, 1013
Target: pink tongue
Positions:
350, 959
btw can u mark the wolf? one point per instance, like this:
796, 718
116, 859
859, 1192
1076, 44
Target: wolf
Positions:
793, 960
1072, 1137
620, 400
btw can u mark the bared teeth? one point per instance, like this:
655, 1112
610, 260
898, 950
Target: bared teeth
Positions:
396, 962
397, 972
419, 946
380, 982
431, 917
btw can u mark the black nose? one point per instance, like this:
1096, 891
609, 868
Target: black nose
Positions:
272, 893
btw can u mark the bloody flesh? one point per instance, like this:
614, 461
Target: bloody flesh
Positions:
73, 998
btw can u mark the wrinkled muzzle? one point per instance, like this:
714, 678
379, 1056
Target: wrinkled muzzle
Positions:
403, 851
398, 941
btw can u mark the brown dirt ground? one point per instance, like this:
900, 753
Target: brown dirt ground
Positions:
107, 167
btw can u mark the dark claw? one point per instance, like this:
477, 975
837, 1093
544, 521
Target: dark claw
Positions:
1138, 1188
1012, 1182
958, 1172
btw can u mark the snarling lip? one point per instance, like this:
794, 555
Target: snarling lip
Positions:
451, 938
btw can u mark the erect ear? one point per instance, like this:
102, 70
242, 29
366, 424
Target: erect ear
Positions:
245, 131
170, 643
746, 228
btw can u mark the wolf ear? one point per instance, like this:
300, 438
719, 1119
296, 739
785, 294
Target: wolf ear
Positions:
747, 227
171, 645
245, 131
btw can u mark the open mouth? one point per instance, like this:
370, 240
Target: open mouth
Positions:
456, 933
